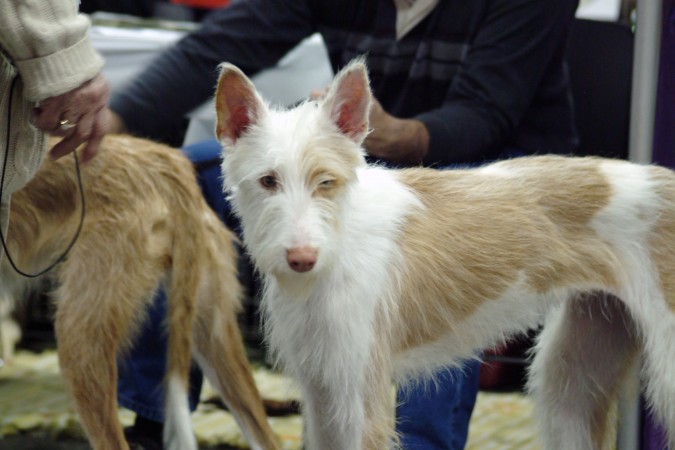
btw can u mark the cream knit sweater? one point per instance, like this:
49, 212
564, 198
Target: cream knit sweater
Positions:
45, 46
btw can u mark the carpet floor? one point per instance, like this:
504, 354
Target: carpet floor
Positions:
35, 408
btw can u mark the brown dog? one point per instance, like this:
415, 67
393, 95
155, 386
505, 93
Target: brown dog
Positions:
145, 225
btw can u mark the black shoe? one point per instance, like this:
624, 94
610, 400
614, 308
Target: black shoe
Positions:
144, 434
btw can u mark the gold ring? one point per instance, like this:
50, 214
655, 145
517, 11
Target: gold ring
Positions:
65, 125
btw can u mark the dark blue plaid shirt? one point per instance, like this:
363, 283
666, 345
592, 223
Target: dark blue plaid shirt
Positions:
483, 75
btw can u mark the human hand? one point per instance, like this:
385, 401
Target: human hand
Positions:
402, 141
80, 115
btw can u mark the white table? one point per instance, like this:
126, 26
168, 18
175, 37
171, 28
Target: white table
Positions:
128, 51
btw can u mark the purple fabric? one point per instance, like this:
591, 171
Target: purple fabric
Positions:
653, 433
664, 130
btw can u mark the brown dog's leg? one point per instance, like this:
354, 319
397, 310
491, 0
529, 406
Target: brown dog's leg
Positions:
89, 332
178, 433
97, 309
222, 357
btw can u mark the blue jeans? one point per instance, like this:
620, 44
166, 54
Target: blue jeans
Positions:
428, 418
438, 417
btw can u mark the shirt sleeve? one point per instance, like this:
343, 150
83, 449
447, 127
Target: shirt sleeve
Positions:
251, 34
499, 77
48, 42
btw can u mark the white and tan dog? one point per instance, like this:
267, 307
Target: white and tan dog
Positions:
146, 224
372, 274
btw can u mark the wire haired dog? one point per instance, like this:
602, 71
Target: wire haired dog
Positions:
146, 224
373, 274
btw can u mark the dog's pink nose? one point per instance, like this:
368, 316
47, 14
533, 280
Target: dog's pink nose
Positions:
301, 259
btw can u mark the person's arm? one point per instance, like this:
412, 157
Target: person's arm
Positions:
252, 34
48, 43
400, 141
498, 79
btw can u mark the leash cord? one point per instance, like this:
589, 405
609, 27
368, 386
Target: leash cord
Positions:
2, 185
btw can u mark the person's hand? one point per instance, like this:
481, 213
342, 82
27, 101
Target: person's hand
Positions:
79, 116
401, 141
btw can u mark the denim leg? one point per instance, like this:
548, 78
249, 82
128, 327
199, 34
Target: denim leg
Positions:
205, 157
141, 372
430, 418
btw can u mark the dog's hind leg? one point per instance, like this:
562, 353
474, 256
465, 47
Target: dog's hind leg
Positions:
582, 356
95, 318
182, 297
220, 352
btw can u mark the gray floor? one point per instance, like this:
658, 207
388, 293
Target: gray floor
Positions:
40, 443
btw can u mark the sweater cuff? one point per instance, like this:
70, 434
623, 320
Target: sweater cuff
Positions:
60, 72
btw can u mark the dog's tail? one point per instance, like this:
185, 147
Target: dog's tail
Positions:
182, 297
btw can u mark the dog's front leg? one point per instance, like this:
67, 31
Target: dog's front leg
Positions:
352, 411
334, 417
379, 431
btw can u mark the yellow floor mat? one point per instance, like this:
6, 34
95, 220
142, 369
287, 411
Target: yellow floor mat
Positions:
33, 399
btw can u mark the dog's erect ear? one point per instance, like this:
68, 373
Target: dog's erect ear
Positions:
238, 105
348, 101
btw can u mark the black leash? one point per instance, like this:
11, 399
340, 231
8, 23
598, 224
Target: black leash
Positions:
2, 185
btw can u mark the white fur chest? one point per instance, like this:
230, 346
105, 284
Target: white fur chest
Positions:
324, 322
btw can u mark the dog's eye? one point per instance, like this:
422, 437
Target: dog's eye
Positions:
327, 184
269, 182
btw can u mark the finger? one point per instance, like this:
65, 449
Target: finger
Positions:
66, 127
85, 125
65, 146
88, 97
48, 115
74, 138
101, 126
62, 132
91, 150
91, 129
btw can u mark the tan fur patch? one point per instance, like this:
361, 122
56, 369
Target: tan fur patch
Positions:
482, 230
663, 236
336, 165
